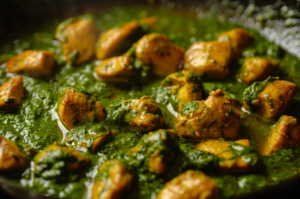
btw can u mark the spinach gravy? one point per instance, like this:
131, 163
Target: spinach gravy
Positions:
140, 103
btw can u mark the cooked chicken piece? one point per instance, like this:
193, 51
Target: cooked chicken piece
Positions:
89, 140
285, 134
78, 107
116, 41
11, 93
32, 62
186, 85
239, 38
78, 37
220, 148
190, 185
157, 150
161, 53
11, 158
111, 181
145, 115
188, 93
216, 117
209, 57
270, 98
114, 69
257, 69
55, 160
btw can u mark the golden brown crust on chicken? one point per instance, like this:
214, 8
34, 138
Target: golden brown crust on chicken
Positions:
116, 41
284, 134
274, 99
239, 38
190, 185
209, 57
11, 93
77, 107
186, 85
114, 69
148, 116
11, 158
111, 181
213, 118
257, 69
220, 148
77, 36
32, 62
157, 50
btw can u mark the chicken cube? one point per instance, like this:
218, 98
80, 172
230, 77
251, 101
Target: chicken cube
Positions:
157, 150
216, 117
257, 69
116, 41
78, 37
56, 161
11, 93
34, 62
77, 107
209, 57
284, 134
186, 85
145, 115
190, 185
229, 163
111, 181
156, 50
270, 98
114, 69
239, 38
87, 140
11, 159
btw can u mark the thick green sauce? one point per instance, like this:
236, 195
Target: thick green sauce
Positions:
34, 125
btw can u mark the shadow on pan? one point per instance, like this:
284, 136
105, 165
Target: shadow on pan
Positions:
16, 15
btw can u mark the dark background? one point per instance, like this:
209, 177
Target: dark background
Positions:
17, 15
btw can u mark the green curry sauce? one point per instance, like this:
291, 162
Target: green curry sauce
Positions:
34, 125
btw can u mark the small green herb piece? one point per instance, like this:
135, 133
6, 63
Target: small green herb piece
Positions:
253, 91
189, 107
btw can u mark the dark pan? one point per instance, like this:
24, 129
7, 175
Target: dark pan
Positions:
16, 15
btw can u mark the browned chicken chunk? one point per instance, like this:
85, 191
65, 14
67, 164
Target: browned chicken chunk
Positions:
145, 114
270, 98
55, 160
190, 185
77, 107
229, 162
257, 69
154, 151
11, 93
11, 158
87, 139
284, 134
186, 85
216, 117
239, 38
32, 62
111, 181
114, 69
161, 53
78, 37
209, 57
116, 41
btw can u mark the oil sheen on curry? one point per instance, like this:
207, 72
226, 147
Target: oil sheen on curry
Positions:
137, 103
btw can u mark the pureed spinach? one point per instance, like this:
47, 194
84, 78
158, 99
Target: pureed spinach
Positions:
34, 125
